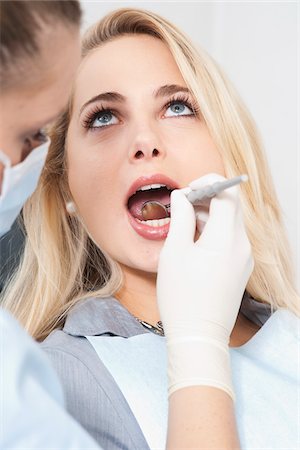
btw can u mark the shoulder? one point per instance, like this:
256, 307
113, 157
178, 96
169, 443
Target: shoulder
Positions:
78, 365
91, 393
266, 380
72, 355
90, 317
274, 348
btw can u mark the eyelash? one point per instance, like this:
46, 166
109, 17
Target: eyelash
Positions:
92, 115
40, 134
185, 99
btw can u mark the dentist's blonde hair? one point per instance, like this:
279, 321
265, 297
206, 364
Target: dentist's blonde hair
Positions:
62, 265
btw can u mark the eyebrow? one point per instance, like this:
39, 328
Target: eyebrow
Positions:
163, 91
108, 96
170, 89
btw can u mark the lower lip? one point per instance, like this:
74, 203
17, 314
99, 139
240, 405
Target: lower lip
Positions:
147, 232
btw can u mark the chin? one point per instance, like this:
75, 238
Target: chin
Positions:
147, 260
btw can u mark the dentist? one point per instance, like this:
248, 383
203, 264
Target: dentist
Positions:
39, 53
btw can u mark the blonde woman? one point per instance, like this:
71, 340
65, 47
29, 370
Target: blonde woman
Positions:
150, 114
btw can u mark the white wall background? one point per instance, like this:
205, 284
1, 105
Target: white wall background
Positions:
256, 44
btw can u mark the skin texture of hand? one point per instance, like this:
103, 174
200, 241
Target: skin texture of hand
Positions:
201, 417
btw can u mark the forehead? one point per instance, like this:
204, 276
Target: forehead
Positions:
42, 92
126, 65
28, 108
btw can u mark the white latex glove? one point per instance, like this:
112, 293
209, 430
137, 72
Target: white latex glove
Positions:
200, 286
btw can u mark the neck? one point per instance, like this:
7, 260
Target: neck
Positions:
243, 331
138, 294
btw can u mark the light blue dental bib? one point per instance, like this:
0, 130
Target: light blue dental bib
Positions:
265, 377
139, 366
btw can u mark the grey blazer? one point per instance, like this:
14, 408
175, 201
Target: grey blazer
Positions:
92, 396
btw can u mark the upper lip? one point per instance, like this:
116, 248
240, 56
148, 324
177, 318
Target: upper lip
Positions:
151, 179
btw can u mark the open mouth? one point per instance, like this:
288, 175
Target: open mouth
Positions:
149, 206
151, 203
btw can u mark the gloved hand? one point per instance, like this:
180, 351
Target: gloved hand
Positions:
200, 286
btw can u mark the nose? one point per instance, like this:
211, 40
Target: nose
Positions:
146, 144
146, 154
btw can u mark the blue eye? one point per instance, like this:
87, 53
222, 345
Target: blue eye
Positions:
103, 119
179, 108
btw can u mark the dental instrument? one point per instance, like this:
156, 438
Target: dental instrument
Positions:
209, 191
152, 210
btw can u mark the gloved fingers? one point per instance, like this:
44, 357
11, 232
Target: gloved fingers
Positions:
225, 222
183, 221
202, 214
229, 195
225, 215
206, 180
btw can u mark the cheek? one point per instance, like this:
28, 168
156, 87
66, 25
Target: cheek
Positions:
96, 188
91, 181
197, 154
203, 160
90, 168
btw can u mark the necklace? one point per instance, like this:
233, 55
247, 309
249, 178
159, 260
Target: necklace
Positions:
158, 329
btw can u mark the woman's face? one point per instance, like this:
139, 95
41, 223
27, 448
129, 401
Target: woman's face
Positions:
133, 135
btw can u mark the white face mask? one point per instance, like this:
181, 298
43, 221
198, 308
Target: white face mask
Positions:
18, 184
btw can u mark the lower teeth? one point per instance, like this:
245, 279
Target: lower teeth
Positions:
156, 222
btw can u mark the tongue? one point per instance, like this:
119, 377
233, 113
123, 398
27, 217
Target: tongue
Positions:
137, 201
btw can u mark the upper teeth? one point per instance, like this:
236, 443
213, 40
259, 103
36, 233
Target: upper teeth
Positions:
151, 186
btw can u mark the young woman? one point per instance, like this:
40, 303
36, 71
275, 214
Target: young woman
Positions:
149, 114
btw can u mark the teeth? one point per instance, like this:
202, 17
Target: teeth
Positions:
156, 222
151, 186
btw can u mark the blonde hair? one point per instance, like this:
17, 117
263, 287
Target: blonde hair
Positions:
62, 265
